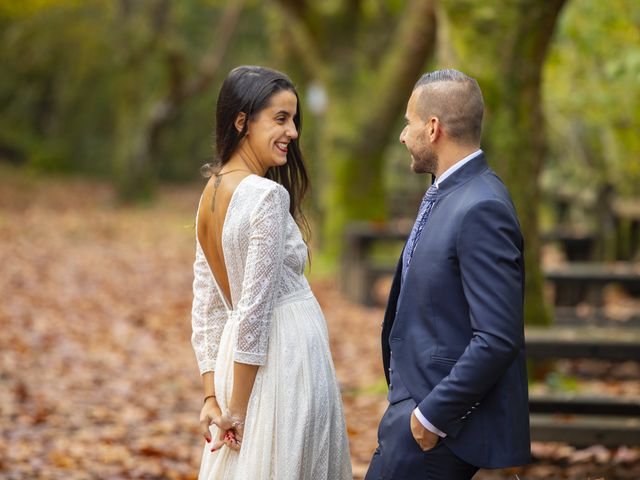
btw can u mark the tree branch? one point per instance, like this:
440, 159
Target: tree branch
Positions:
165, 109
306, 36
301, 12
211, 64
536, 25
399, 70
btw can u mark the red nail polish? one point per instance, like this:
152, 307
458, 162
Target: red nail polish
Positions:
207, 440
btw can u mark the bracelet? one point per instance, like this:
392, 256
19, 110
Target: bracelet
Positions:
208, 397
235, 423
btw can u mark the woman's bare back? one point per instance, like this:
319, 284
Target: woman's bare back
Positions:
211, 216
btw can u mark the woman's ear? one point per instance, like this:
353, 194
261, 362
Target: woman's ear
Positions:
240, 121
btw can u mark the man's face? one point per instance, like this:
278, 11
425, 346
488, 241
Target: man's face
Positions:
414, 136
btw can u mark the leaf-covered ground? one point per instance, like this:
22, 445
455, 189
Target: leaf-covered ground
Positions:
97, 375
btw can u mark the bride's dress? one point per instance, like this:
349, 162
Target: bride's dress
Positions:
295, 427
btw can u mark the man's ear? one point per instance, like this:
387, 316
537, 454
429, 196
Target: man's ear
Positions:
240, 121
433, 128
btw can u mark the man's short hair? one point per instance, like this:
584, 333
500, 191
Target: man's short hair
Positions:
456, 100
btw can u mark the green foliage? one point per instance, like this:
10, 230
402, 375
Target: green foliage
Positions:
378, 388
367, 56
80, 80
592, 98
504, 46
17, 9
558, 382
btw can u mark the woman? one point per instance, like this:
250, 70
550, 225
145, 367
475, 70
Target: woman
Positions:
272, 407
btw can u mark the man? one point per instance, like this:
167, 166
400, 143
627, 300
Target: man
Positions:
453, 333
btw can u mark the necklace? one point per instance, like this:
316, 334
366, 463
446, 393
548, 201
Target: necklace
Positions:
216, 184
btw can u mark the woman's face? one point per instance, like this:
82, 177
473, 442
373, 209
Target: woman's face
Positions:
269, 133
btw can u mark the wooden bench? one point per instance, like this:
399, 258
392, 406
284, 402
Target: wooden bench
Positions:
574, 404
577, 419
617, 221
577, 245
583, 342
585, 430
574, 282
626, 217
359, 271
584, 420
592, 316
583, 281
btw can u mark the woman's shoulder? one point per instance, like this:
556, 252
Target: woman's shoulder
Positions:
257, 197
265, 189
263, 183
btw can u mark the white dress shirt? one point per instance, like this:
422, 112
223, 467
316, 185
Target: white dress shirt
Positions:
423, 420
456, 166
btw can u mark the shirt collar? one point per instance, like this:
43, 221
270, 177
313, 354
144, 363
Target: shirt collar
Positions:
455, 167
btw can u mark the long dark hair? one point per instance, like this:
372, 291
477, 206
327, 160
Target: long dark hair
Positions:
248, 89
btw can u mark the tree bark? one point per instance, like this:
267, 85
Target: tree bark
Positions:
509, 69
366, 98
140, 128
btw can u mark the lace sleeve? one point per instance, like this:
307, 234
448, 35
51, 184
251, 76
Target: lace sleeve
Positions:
263, 267
208, 314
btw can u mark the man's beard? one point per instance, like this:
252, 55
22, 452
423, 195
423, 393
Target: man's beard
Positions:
424, 161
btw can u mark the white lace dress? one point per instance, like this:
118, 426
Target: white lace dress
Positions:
295, 426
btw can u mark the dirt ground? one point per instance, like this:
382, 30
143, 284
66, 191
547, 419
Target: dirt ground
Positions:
97, 375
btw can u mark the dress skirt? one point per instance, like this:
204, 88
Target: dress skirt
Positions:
295, 428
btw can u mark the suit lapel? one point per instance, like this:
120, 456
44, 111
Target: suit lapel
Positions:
473, 168
390, 315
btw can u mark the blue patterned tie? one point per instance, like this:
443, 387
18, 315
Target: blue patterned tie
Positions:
426, 206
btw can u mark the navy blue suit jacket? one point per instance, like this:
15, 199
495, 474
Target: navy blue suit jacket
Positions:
456, 328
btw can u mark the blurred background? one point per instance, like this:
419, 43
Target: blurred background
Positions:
107, 114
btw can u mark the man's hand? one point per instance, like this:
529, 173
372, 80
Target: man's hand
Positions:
425, 438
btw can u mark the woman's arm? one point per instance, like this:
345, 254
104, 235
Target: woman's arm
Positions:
263, 268
208, 317
244, 376
210, 412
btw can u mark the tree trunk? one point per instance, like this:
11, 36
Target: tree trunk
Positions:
140, 125
508, 66
367, 95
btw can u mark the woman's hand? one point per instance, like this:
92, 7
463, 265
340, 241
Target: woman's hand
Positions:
209, 414
230, 426
233, 426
